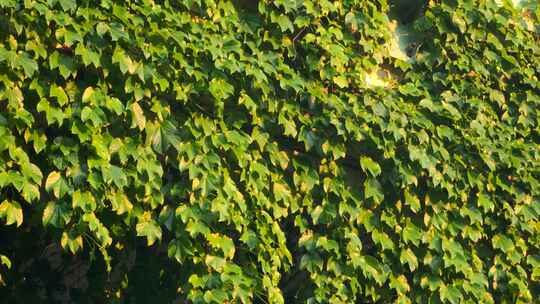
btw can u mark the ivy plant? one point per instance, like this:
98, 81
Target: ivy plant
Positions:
286, 151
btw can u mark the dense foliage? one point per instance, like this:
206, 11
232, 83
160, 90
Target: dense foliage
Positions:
205, 151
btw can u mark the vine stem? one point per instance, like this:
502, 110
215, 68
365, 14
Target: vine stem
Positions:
298, 35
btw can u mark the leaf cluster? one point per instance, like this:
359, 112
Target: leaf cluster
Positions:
269, 151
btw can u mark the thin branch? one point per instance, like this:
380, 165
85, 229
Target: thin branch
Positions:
298, 35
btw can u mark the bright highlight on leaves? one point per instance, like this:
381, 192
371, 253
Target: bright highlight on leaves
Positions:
11, 212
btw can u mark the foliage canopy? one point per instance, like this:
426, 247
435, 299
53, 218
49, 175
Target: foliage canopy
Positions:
288, 150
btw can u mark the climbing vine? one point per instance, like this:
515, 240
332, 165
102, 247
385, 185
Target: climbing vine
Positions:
205, 151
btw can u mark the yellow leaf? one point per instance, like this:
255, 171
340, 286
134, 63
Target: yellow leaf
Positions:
195, 183
341, 81
121, 203
12, 211
48, 212
52, 179
72, 243
138, 114
87, 94
377, 78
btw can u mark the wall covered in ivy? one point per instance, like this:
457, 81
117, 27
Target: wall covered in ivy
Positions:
315, 151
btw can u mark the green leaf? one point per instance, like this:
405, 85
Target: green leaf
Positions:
12, 212
116, 175
497, 96
215, 262
117, 32
88, 56
179, 249
8, 3
222, 242
383, 239
216, 296
5, 261
281, 192
408, 256
400, 284
96, 115
68, 5
459, 22
220, 89
84, 200
120, 203
100, 231
55, 214
170, 135
32, 172
102, 28
368, 164
115, 105
411, 233
29, 65
197, 227
71, 241
373, 189
450, 294
57, 184
502, 242
150, 229
60, 95
39, 142
30, 192
372, 268
250, 238
288, 124
67, 66
412, 201
485, 202
284, 23
430, 281
275, 295
125, 63
308, 138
